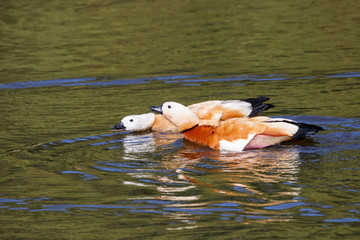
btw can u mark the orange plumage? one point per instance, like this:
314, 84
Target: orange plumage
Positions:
234, 134
229, 130
162, 125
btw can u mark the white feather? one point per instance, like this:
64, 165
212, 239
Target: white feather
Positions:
235, 146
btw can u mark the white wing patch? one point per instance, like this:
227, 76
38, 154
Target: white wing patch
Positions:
235, 146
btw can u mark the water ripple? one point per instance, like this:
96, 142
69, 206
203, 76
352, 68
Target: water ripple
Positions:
285, 206
188, 80
342, 220
177, 178
85, 176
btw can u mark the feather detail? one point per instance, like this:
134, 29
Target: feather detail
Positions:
202, 135
229, 131
211, 112
162, 125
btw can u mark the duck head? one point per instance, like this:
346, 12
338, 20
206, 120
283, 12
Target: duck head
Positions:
179, 115
136, 123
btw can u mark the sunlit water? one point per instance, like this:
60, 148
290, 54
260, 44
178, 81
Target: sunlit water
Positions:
70, 70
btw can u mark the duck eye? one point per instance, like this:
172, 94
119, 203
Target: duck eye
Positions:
131, 120
169, 106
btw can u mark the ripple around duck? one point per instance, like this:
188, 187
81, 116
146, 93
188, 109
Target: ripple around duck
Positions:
185, 180
84, 139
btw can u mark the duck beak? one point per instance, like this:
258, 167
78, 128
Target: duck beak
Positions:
119, 126
157, 109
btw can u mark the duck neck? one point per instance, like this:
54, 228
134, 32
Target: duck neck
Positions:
147, 120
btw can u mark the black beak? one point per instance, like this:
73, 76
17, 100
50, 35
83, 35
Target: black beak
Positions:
119, 126
157, 109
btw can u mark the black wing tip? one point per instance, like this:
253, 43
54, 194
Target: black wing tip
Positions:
260, 108
256, 101
258, 105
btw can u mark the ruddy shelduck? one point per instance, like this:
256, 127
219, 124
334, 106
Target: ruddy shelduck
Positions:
208, 113
235, 134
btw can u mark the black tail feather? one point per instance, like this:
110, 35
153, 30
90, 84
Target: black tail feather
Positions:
258, 105
305, 130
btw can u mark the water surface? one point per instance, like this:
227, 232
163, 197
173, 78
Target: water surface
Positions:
70, 70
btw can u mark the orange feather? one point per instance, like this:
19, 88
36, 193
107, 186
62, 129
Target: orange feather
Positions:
162, 125
230, 130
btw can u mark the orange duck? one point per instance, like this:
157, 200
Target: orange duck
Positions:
234, 134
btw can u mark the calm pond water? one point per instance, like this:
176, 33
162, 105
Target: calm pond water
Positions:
70, 70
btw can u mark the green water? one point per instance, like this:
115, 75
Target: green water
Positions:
119, 39
70, 70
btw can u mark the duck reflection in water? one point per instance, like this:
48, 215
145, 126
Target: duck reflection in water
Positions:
185, 174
